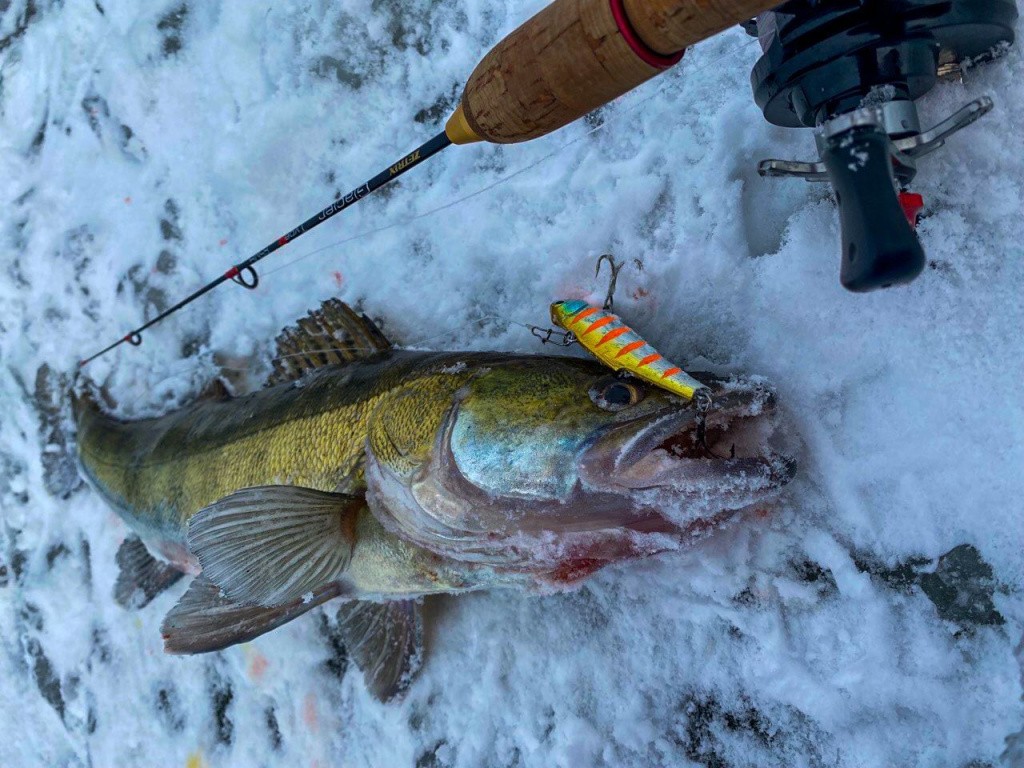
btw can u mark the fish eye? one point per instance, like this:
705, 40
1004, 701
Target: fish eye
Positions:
615, 394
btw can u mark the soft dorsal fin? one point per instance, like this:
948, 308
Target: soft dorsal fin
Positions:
330, 335
216, 390
272, 544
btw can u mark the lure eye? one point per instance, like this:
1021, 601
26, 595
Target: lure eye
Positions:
615, 394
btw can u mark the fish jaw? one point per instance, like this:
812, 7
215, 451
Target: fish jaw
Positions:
664, 462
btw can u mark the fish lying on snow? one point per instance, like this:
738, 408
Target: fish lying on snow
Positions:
378, 476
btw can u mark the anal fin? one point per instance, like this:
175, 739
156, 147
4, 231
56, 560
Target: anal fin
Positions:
385, 640
204, 620
141, 577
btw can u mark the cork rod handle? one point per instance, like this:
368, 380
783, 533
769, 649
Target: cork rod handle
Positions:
577, 55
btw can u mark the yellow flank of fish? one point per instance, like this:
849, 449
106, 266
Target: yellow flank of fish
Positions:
618, 346
159, 472
319, 448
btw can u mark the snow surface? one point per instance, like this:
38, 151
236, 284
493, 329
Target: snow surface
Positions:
144, 147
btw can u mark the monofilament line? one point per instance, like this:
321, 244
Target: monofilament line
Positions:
245, 275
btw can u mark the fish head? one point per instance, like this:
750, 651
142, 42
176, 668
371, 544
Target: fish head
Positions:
532, 457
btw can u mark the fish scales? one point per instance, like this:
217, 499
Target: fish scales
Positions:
161, 471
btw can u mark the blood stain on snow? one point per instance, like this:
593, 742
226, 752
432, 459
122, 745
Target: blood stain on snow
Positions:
257, 666
309, 713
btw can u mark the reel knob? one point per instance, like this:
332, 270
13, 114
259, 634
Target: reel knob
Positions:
868, 155
879, 247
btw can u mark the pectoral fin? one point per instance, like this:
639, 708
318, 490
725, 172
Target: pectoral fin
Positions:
386, 642
205, 620
273, 544
141, 576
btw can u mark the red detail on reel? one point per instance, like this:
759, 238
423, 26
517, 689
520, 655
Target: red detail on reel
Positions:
283, 240
231, 273
646, 54
912, 204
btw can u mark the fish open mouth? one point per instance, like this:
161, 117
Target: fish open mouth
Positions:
730, 459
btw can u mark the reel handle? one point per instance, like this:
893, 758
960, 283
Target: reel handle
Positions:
879, 247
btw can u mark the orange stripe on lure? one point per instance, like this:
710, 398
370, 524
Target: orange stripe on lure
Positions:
620, 347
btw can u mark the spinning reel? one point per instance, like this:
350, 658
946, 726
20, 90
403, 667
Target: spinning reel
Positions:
852, 69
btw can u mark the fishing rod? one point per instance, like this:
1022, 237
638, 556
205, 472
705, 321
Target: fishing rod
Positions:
573, 57
244, 273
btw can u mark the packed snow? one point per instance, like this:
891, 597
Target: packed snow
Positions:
146, 147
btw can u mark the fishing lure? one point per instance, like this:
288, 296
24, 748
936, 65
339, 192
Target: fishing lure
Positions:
610, 340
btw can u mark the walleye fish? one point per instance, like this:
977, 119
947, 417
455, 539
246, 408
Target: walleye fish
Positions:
378, 476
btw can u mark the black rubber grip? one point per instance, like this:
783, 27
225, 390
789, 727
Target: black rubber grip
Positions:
880, 248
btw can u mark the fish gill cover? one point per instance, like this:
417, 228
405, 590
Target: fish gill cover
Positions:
145, 146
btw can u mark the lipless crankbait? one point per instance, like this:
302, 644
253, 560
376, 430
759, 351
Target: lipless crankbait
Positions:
618, 346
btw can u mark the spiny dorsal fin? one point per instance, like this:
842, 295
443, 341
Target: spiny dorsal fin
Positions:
272, 544
330, 335
386, 642
60, 464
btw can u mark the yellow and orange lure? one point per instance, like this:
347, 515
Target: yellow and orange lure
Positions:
610, 340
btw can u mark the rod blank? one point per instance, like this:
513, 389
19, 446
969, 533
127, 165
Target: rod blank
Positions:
245, 274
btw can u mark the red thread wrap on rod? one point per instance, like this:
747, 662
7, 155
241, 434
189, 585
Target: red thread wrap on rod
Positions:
646, 54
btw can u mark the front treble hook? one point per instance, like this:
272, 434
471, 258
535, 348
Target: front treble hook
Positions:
609, 299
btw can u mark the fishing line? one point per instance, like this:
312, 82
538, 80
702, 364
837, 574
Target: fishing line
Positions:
245, 275
665, 87
206, 360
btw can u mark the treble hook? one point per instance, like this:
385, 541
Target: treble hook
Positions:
704, 402
609, 300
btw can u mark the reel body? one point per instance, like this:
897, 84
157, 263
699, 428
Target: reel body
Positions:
852, 69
